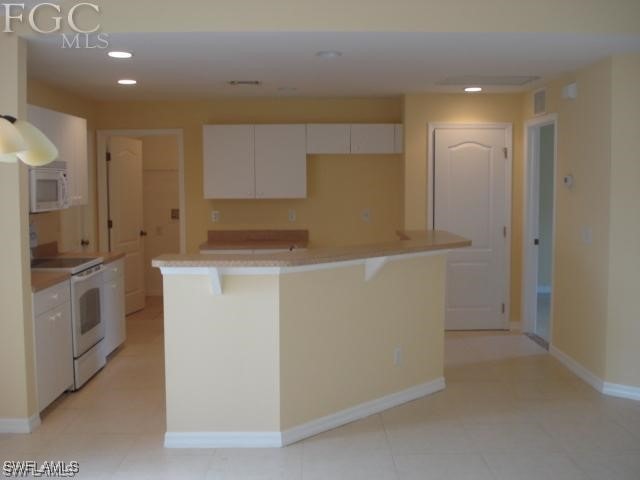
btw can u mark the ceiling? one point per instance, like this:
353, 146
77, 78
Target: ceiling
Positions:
199, 65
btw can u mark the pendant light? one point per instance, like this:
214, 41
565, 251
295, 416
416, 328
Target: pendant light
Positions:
26, 142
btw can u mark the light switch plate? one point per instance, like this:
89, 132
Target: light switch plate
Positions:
366, 215
587, 235
293, 216
215, 216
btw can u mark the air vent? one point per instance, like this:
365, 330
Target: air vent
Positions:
540, 102
245, 83
498, 80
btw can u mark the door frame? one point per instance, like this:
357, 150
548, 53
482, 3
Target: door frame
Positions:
101, 155
508, 128
530, 267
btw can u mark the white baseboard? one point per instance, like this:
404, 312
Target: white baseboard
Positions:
592, 379
363, 410
19, 425
314, 427
622, 391
222, 439
544, 288
515, 326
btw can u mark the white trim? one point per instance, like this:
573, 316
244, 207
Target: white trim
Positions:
592, 379
101, 170
508, 128
222, 439
372, 266
363, 410
622, 391
287, 437
19, 425
530, 268
216, 280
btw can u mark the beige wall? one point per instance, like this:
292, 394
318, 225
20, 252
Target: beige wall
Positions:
338, 334
273, 352
419, 111
623, 317
68, 227
339, 186
221, 354
160, 185
581, 270
17, 371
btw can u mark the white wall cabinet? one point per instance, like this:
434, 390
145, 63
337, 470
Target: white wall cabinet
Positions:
280, 161
69, 135
53, 342
329, 138
254, 161
113, 306
373, 138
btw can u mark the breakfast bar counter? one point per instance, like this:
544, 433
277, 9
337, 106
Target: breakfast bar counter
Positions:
265, 350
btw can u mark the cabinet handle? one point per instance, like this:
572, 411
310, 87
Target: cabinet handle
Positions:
55, 296
52, 318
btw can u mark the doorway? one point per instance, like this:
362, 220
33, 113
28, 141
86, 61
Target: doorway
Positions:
141, 204
470, 195
540, 182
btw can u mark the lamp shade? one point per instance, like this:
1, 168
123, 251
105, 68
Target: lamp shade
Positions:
11, 141
40, 150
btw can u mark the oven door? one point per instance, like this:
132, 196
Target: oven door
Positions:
88, 324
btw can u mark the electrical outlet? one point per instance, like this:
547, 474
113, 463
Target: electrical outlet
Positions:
293, 216
215, 216
366, 215
397, 356
587, 235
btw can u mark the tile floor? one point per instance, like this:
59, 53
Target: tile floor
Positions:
510, 412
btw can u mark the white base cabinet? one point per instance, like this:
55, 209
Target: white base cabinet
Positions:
53, 343
113, 305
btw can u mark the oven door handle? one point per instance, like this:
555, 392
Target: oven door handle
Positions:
84, 278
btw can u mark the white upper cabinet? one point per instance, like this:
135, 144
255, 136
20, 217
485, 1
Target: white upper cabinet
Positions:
69, 135
228, 161
261, 161
328, 138
373, 138
280, 161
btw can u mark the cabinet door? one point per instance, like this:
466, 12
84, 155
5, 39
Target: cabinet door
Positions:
54, 353
78, 171
328, 138
113, 308
280, 161
373, 138
228, 169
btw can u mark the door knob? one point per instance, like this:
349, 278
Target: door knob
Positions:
143, 233
536, 241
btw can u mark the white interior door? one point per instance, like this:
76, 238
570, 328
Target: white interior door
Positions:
125, 214
470, 198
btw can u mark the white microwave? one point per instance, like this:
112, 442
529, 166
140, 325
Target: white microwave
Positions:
48, 187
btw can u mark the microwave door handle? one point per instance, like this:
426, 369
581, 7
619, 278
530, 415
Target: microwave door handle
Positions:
64, 191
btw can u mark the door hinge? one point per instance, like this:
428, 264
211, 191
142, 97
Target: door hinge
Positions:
108, 156
505, 150
110, 224
503, 308
504, 231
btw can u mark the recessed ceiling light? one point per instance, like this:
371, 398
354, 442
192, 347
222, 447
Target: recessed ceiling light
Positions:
329, 54
473, 89
116, 54
287, 89
127, 81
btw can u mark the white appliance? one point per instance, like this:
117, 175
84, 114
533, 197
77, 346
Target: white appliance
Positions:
48, 187
86, 312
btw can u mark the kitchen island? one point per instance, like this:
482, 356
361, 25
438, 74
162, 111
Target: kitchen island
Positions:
265, 350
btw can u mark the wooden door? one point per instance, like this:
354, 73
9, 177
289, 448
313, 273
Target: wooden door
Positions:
470, 199
125, 214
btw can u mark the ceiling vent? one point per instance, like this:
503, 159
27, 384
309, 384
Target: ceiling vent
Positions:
245, 83
540, 102
497, 80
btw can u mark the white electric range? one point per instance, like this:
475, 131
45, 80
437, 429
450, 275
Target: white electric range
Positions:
86, 313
